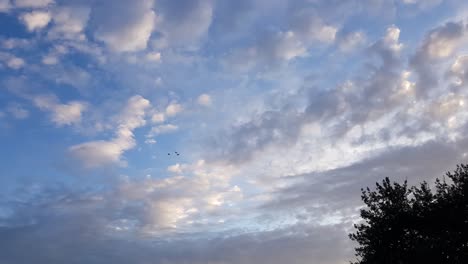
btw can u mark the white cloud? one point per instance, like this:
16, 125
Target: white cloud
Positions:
33, 3
310, 28
70, 22
443, 41
126, 26
101, 153
391, 39
17, 111
440, 48
150, 141
176, 168
5, 5
173, 109
182, 200
13, 43
326, 33
351, 41
11, 60
158, 118
98, 153
163, 129
459, 71
67, 114
15, 63
153, 56
283, 46
36, 20
288, 46
49, 60
204, 99
446, 107
61, 114
439, 45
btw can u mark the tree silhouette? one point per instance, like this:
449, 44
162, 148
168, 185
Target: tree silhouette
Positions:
404, 224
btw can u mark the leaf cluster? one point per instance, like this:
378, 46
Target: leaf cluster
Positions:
404, 224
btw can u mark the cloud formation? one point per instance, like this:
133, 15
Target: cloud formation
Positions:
280, 111
61, 114
36, 20
101, 153
128, 28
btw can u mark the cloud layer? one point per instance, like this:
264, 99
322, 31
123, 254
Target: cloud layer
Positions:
225, 132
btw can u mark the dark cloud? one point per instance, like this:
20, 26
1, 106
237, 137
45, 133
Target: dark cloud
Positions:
339, 189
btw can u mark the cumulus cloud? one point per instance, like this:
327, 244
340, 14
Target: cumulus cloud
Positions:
281, 180
125, 27
174, 203
305, 31
5, 5
311, 28
352, 40
184, 22
50, 60
158, 118
439, 44
174, 109
204, 100
70, 22
365, 101
459, 71
15, 63
271, 49
12, 61
36, 20
101, 153
61, 114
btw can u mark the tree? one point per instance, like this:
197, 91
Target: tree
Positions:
404, 224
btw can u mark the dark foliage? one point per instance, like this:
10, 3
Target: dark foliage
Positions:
404, 224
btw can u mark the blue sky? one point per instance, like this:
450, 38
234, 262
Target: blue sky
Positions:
280, 112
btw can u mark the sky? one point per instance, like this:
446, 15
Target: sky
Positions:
218, 131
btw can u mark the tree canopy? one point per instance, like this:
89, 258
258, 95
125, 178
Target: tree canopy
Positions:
403, 224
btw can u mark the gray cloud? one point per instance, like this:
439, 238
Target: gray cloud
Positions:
339, 189
74, 234
218, 211
438, 45
60, 224
184, 22
123, 26
337, 110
